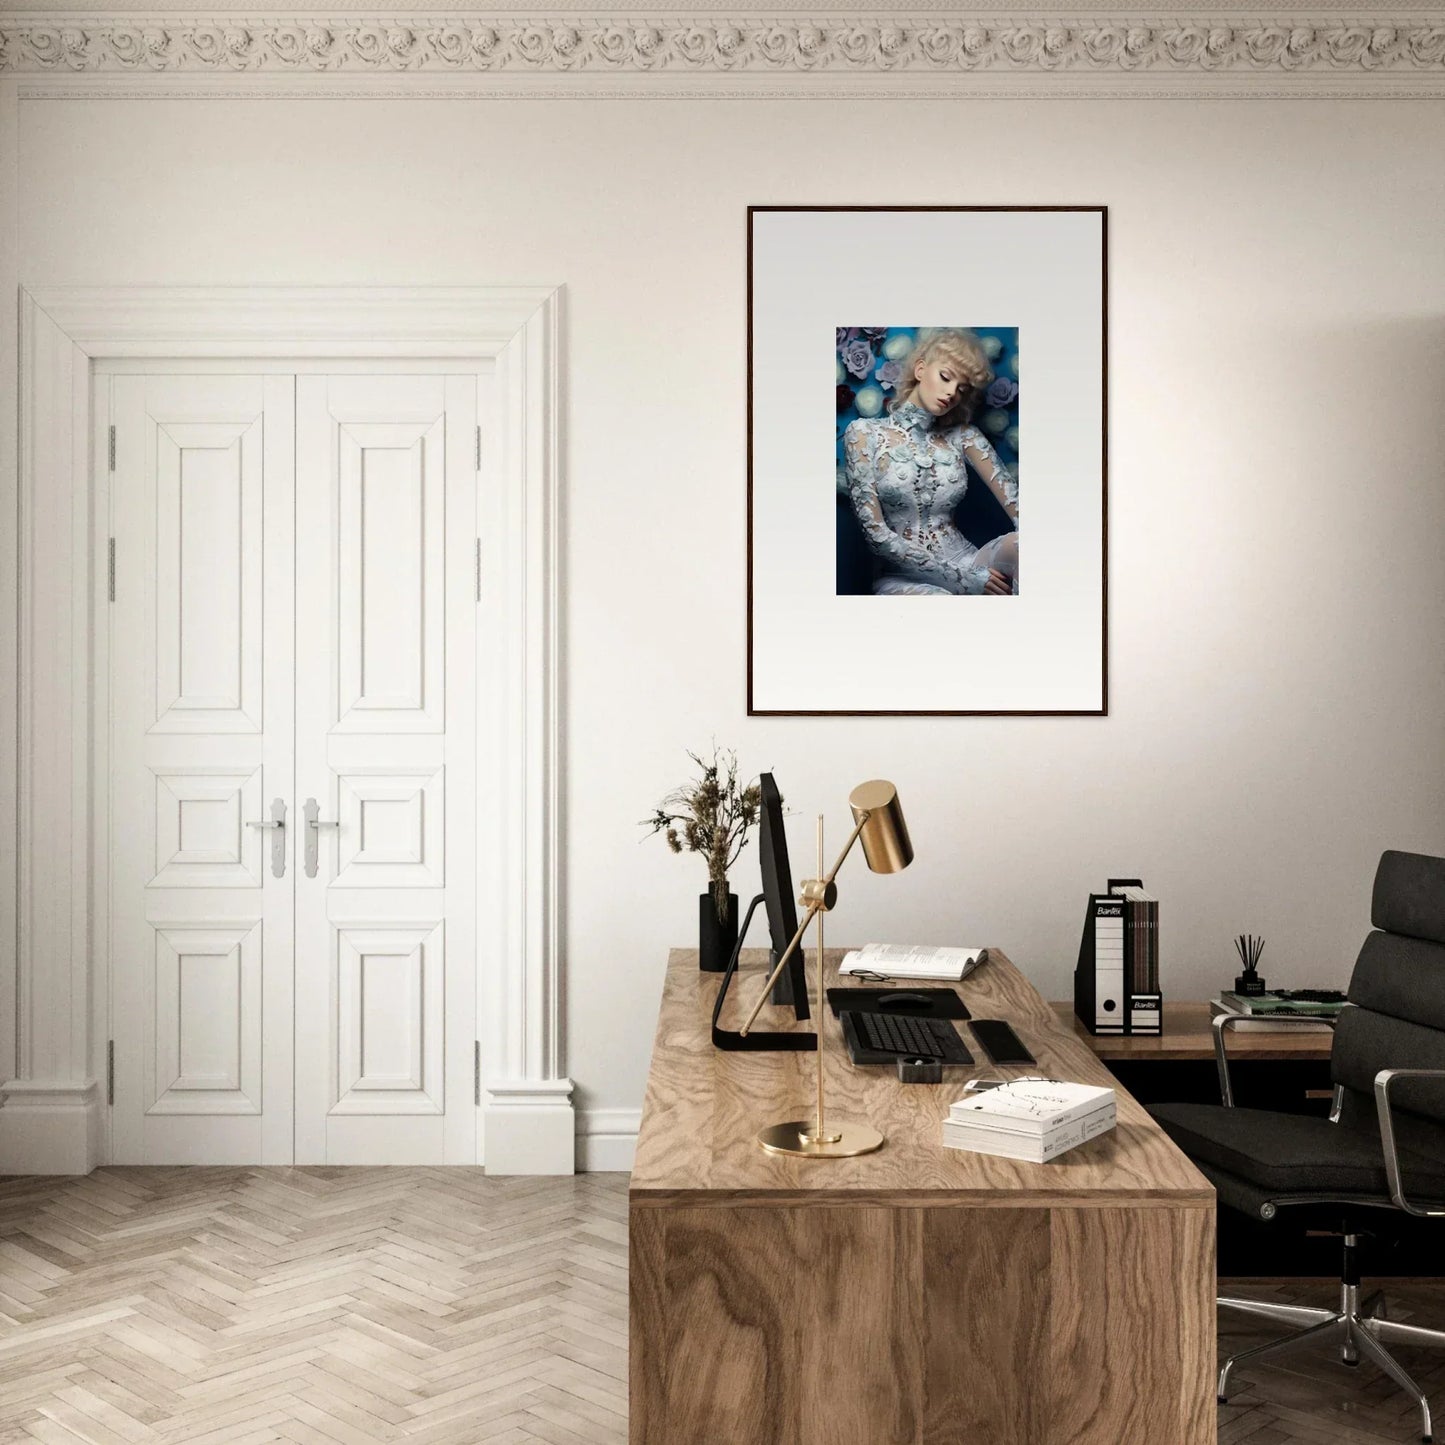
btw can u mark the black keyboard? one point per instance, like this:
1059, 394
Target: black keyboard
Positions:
901, 1037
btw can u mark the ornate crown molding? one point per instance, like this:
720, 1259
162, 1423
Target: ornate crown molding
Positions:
839, 46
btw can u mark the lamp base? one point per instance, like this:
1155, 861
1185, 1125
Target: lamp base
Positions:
844, 1141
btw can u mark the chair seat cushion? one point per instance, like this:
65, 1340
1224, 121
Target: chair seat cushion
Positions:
1293, 1153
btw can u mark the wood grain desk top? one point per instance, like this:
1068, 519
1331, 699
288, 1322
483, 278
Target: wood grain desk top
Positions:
704, 1106
1187, 1035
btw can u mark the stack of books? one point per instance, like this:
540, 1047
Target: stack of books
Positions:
1033, 1119
1259, 1011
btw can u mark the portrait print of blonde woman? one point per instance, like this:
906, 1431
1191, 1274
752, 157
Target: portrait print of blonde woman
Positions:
927, 461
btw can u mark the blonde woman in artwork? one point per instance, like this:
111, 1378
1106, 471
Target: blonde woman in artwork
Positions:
908, 470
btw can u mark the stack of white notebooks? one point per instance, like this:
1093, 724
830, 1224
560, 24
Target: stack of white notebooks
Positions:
1033, 1119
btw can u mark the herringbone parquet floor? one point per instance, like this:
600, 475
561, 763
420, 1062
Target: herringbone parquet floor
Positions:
348, 1306
325, 1306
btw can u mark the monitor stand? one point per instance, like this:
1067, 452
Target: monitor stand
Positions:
756, 1040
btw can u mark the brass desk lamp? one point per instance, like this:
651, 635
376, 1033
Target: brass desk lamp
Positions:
878, 821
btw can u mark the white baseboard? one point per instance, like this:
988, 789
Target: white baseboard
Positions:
607, 1140
530, 1127
49, 1128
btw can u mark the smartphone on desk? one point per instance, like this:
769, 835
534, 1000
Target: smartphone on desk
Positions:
1000, 1042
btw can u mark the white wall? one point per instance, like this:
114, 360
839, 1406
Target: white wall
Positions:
1277, 600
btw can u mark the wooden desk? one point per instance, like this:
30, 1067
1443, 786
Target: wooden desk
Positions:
918, 1295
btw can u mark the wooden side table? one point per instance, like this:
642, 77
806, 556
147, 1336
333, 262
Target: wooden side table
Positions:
1187, 1036
1284, 1071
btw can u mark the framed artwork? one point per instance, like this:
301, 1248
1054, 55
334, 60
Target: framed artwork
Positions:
927, 520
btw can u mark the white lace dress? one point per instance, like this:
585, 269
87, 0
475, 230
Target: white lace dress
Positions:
905, 476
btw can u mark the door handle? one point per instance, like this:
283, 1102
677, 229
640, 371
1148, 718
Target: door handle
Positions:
314, 824
277, 820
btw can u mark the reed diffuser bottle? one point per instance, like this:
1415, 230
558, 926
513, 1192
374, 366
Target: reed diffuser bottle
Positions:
1249, 948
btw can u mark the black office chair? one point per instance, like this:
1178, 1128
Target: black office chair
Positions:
1379, 1155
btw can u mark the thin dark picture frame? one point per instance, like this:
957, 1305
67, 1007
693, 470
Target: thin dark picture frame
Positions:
1103, 709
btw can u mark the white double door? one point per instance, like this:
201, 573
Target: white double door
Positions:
292, 808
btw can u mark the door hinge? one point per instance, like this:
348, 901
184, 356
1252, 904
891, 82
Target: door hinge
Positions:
479, 569
110, 1072
477, 1072
479, 448
110, 568
112, 448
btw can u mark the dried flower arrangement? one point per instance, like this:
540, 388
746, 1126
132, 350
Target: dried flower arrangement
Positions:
711, 816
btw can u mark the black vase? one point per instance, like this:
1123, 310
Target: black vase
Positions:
716, 939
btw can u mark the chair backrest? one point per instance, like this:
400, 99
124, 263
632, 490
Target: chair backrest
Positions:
1398, 993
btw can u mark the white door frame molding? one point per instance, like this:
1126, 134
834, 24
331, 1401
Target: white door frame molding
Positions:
51, 1119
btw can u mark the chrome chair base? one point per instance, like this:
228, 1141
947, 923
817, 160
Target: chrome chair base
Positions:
1360, 1327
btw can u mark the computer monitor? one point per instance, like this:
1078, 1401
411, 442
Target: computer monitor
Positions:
777, 898
791, 987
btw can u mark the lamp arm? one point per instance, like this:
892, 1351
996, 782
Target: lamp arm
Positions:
847, 847
814, 909
788, 952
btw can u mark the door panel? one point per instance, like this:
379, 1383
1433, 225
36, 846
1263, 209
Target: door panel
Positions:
389, 1020
386, 484
389, 600
208, 576
208, 1011
202, 840
201, 743
392, 828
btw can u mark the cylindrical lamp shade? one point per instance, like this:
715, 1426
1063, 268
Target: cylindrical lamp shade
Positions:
886, 844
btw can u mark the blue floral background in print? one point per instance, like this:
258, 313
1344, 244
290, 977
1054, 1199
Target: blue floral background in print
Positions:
868, 365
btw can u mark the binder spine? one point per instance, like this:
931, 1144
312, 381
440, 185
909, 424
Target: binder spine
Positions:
1110, 957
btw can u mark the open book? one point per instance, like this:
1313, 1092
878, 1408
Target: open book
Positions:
903, 960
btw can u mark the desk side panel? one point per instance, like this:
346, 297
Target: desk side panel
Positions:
857, 1292
1132, 1325
986, 1299
776, 1326
789, 1326
647, 1315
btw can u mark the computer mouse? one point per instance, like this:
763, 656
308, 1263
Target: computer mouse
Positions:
904, 1000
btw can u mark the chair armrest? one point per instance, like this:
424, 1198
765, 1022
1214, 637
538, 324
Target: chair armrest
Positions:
1222, 1023
1383, 1080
